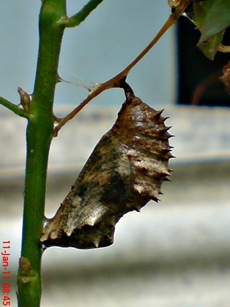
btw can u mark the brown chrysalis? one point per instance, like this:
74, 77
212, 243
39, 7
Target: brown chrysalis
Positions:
125, 171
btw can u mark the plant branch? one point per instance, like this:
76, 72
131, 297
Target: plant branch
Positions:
17, 109
76, 19
38, 136
115, 81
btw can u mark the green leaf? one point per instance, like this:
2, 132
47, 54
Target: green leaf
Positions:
201, 9
211, 17
217, 19
210, 47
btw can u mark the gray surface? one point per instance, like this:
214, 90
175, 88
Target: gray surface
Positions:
175, 253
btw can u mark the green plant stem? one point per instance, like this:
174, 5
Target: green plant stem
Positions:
39, 135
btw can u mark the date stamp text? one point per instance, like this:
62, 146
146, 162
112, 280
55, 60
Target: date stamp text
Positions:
5, 254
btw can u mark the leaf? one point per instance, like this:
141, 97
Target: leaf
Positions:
211, 17
125, 171
216, 20
211, 46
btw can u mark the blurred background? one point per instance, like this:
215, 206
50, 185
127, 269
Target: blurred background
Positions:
174, 253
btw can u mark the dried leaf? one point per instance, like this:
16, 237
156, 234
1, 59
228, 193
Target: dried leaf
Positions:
125, 171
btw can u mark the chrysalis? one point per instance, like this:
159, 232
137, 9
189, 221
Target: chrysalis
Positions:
125, 171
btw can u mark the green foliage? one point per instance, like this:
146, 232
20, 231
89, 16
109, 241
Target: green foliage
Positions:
212, 18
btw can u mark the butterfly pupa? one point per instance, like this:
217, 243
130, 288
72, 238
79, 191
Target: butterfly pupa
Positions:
125, 170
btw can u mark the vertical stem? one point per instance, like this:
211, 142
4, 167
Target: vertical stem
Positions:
39, 136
